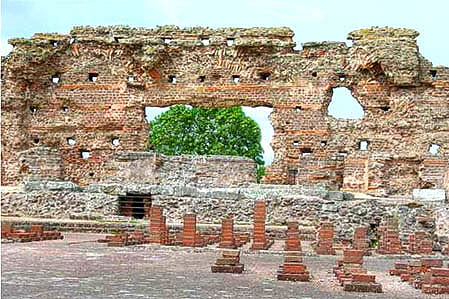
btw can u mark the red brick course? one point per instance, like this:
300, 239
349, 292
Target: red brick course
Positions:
325, 239
260, 240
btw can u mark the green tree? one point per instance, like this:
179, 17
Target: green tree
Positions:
206, 131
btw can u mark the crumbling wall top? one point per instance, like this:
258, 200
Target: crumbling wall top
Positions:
382, 33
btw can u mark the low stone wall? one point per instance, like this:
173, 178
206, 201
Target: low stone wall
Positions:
66, 200
154, 168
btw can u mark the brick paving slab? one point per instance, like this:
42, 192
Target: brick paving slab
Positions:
78, 268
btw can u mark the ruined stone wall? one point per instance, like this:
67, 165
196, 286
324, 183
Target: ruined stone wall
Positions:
404, 97
66, 200
154, 168
45, 164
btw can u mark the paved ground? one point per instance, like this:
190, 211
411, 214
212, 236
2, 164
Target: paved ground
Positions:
74, 268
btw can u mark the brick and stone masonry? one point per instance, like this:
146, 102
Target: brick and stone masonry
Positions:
420, 243
351, 274
293, 242
229, 262
189, 230
260, 240
325, 239
227, 233
158, 230
34, 233
48, 100
190, 236
293, 268
436, 281
360, 241
415, 271
389, 242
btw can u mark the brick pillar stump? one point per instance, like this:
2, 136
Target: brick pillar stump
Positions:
351, 274
292, 243
229, 262
227, 233
325, 239
156, 225
189, 230
260, 241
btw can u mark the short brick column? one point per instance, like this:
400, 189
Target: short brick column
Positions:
156, 225
292, 243
351, 274
260, 241
189, 230
325, 239
227, 233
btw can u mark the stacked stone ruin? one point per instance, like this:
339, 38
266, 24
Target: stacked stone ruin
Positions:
351, 274
158, 229
126, 239
389, 242
427, 274
325, 241
420, 243
190, 237
47, 78
229, 262
360, 242
293, 268
34, 233
227, 233
260, 239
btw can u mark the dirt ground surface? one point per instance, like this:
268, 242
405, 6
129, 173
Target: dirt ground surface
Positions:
79, 267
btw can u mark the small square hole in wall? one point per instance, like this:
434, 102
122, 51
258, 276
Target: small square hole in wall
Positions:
433, 73
85, 154
33, 110
116, 39
385, 108
296, 143
65, 109
91, 174
306, 152
130, 78
235, 78
342, 153
115, 141
168, 40
434, 149
71, 141
205, 41
54, 43
93, 77
363, 145
36, 140
265, 75
72, 40
172, 79
298, 108
230, 42
55, 78
202, 78
314, 74
341, 78
323, 143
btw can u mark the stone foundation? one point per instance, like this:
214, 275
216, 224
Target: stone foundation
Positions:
65, 200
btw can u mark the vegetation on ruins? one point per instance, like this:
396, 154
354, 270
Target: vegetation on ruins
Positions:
206, 131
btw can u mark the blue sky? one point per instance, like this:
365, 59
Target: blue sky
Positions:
311, 20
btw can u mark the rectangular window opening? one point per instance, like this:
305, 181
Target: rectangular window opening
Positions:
135, 205
363, 145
